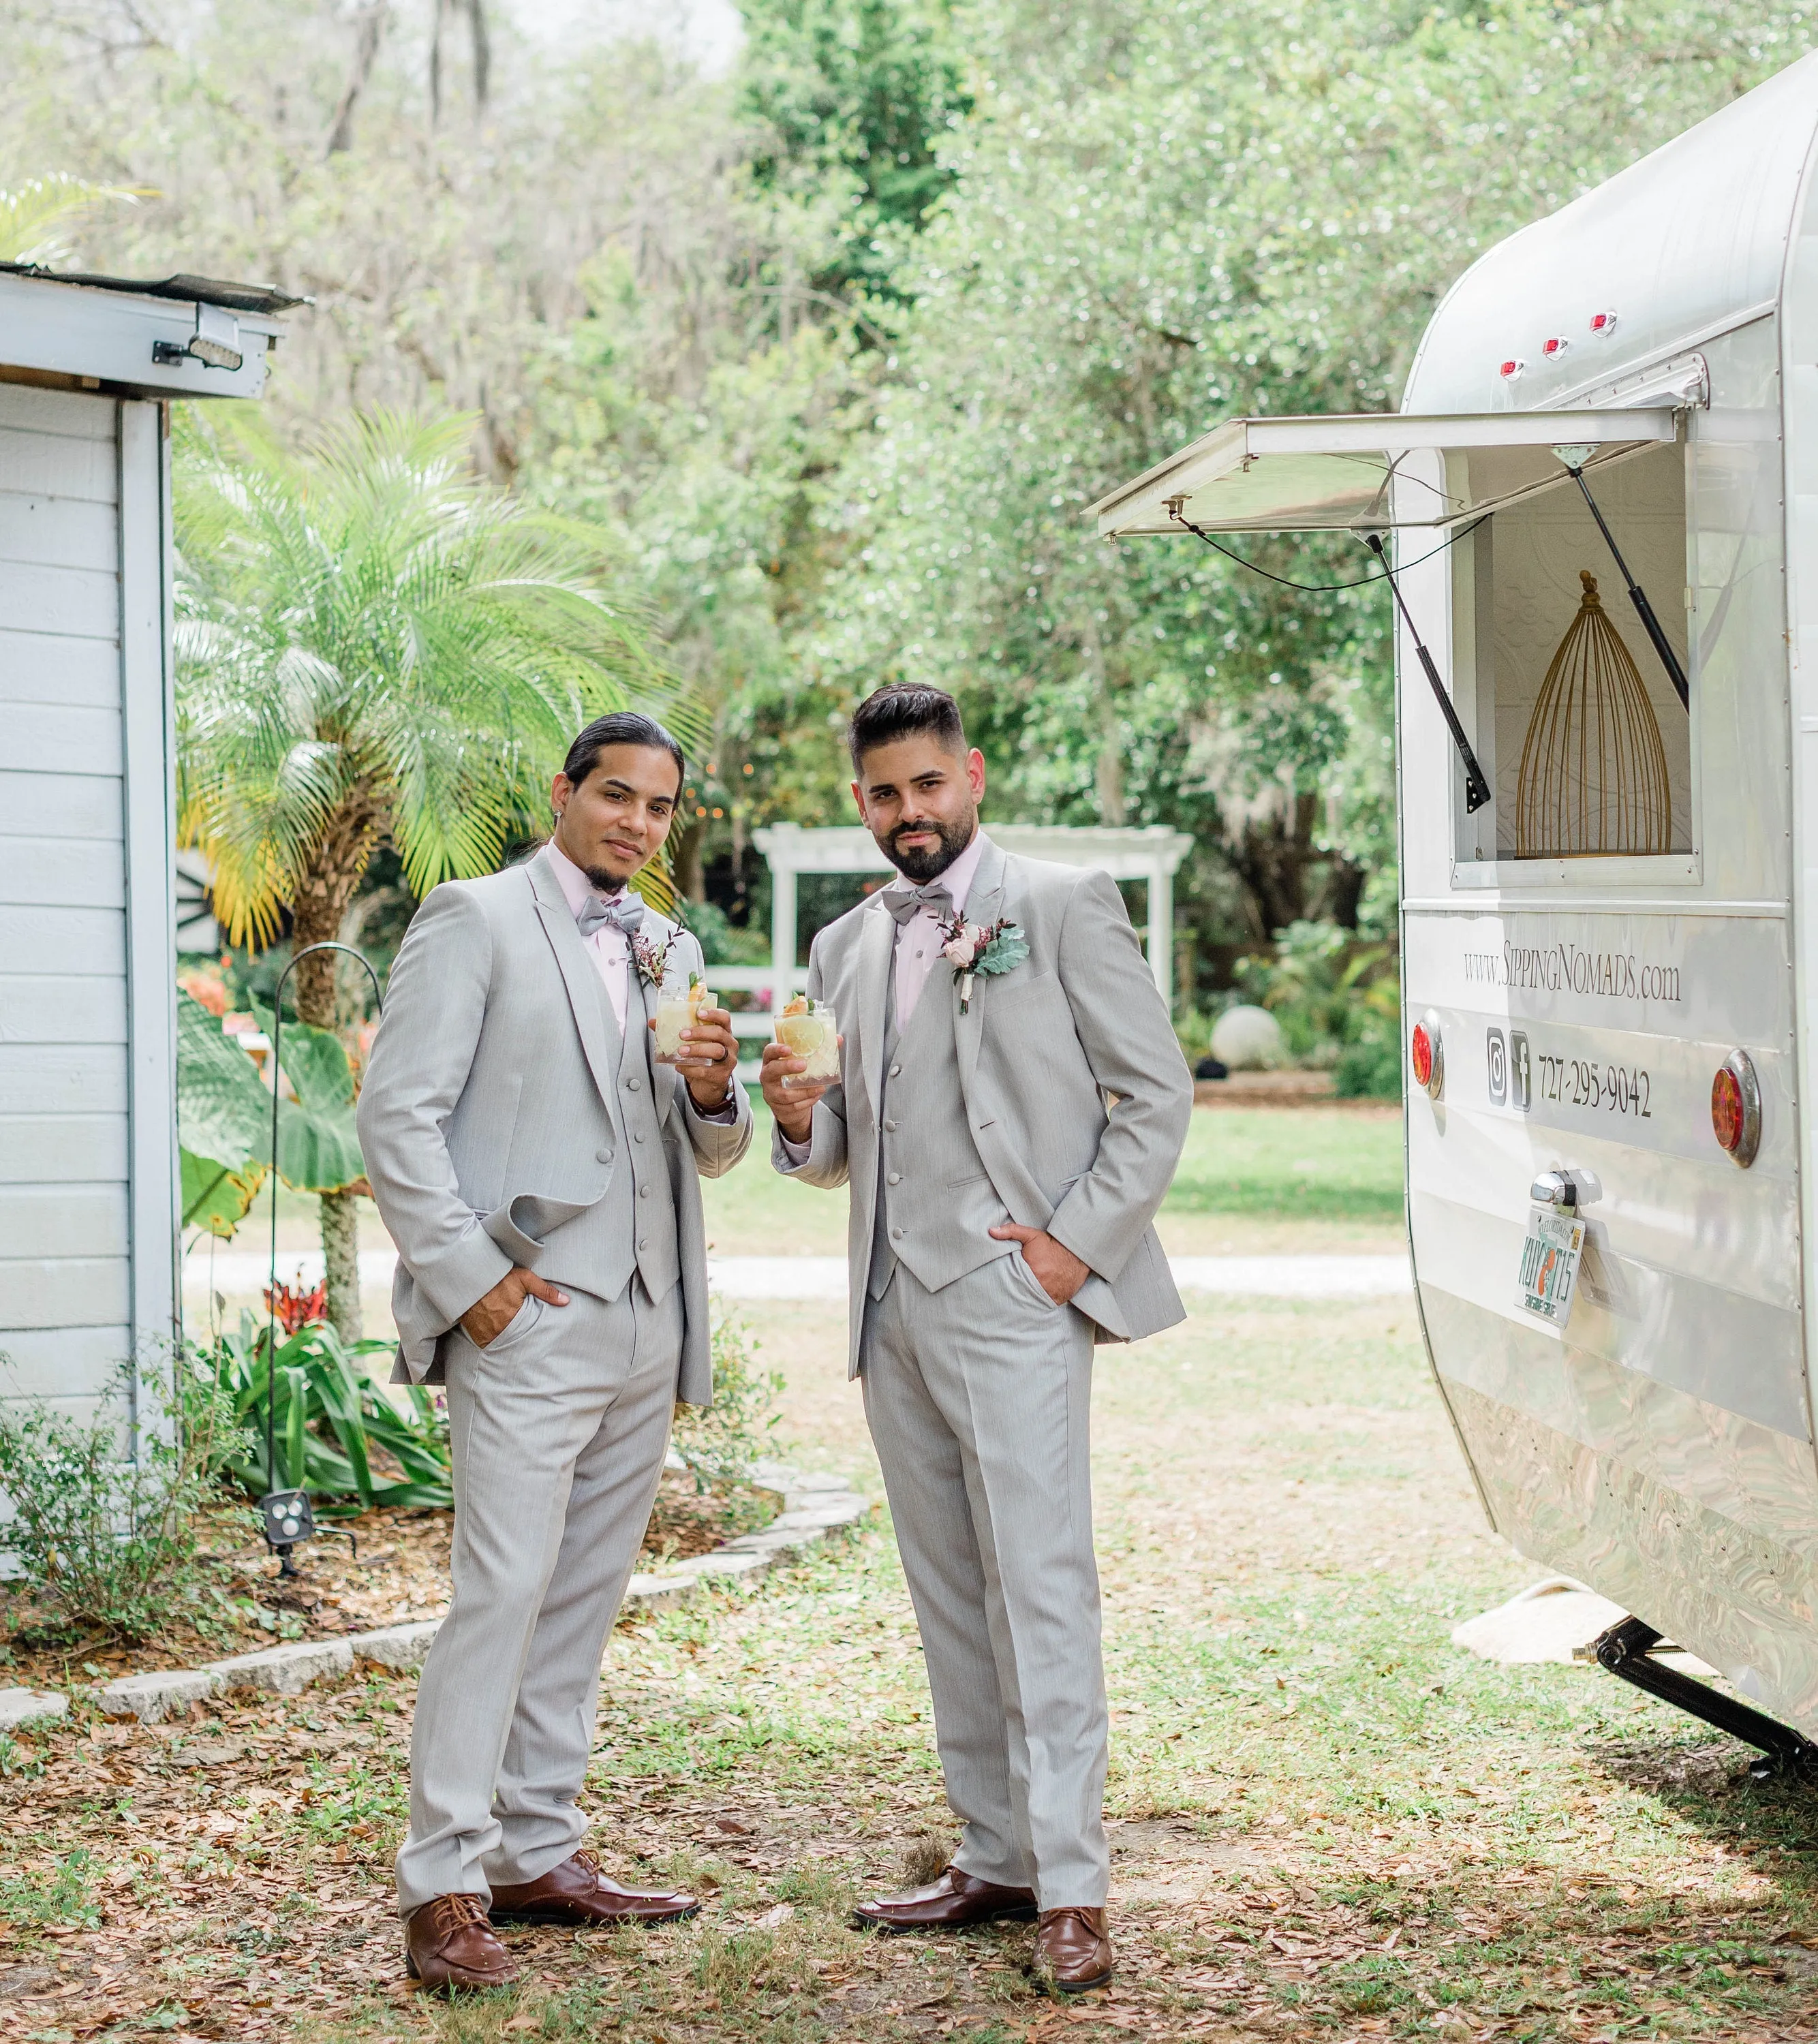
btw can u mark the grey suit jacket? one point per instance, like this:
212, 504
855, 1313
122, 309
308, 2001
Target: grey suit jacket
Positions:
1041, 1050
483, 1119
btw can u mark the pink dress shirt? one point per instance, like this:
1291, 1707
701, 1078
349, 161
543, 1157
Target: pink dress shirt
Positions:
612, 961
611, 954
918, 940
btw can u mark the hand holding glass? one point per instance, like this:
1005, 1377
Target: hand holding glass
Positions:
811, 1034
677, 1007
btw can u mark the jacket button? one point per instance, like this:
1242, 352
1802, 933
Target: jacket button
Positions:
896, 1234
643, 1191
637, 1135
631, 1085
643, 1242
605, 1156
895, 1071
890, 1128
896, 1178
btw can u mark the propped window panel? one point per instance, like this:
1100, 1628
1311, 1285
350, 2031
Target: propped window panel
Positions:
1314, 475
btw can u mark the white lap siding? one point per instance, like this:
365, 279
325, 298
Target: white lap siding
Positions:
86, 1156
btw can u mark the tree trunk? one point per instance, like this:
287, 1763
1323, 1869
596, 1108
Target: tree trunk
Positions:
368, 25
322, 900
1271, 855
317, 915
340, 1261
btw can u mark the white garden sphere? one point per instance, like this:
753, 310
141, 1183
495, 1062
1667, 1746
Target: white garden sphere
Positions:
1248, 1040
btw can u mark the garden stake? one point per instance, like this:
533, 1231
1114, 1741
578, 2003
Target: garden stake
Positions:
287, 1513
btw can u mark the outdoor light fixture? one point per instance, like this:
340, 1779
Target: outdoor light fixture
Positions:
1512, 369
1736, 1108
1426, 1053
1603, 324
1555, 344
215, 342
286, 1513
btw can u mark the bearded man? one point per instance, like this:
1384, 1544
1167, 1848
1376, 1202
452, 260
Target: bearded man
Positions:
540, 1173
1011, 1105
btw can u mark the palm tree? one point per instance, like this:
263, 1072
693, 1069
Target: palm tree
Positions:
372, 646
35, 221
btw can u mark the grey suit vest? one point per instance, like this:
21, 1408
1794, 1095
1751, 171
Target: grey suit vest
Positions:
632, 1225
935, 1204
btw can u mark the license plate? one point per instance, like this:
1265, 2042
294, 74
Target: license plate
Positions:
1550, 1264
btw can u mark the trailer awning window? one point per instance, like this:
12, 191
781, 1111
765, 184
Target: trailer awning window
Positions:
1329, 474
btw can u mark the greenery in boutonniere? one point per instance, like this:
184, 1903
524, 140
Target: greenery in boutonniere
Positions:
972, 949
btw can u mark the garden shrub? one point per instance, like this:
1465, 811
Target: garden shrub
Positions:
721, 1442
106, 1507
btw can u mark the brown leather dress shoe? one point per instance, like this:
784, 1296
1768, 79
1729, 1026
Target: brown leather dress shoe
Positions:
576, 1892
449, 1947
1073, 1949
952, 1903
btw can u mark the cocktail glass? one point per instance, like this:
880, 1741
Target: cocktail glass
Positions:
677, 1006
812, 1034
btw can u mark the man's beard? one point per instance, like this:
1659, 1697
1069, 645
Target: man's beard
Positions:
922, 867
607, 883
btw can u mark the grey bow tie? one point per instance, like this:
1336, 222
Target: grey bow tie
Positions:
625, 912
906, 903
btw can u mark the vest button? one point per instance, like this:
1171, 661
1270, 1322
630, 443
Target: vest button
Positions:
637, 1135
631, 1085
643, 1191
643, 1242
896, 1178
896, 1072
890, 1128
896, 1234
605, 1156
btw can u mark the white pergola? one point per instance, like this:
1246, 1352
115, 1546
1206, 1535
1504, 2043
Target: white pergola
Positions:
1150, 854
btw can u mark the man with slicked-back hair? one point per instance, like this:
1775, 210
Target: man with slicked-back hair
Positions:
1010, 1108
540, 1173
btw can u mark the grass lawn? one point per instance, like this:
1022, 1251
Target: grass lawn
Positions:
1328, 1822
1251, 1180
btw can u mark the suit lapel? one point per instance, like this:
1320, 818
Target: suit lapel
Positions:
983, 900
876, 941
586, 993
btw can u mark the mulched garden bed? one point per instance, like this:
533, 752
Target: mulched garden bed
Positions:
395, 1570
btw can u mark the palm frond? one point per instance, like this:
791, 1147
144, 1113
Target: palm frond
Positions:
35, 220
365, 614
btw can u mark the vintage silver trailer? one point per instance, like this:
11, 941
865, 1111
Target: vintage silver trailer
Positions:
1635, 1026
88, 1146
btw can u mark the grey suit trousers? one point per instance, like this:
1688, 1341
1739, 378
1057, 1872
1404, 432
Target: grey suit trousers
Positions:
979, 1399
558, 1430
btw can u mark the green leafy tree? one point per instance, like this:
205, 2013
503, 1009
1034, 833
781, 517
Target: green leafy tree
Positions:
1159, 219
851, 99
372, 648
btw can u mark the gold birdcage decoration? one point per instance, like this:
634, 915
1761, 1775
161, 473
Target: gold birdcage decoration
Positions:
1593, 771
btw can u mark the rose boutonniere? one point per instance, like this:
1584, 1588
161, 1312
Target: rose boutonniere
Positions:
651, 958
970, 949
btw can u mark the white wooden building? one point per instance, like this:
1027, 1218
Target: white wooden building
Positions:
88, 1166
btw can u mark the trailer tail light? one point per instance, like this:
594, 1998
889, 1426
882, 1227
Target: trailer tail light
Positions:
1511, 368
1426, 1054
1555, 344
1736, 1108
1603, 324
